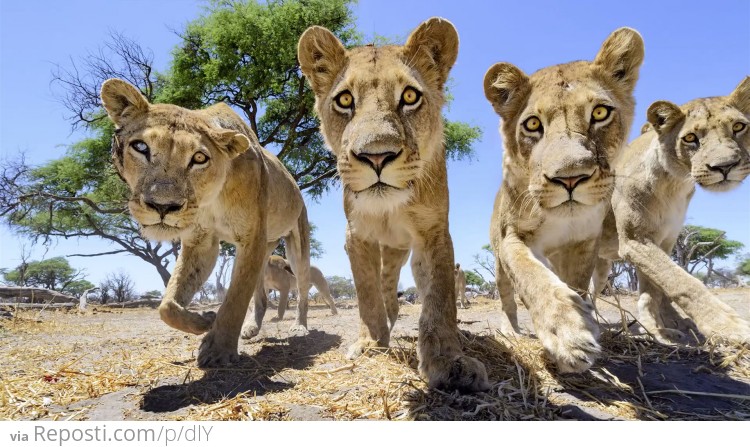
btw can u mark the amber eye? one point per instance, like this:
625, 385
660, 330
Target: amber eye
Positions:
738, 127
690, 138
600, 113
199, 158
345, 100
410, 96
532, 124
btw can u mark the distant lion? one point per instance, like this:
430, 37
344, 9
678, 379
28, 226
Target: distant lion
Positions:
461, 286
202, 177
280, 276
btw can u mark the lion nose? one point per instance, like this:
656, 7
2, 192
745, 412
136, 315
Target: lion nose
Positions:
377, 161
723, 168
163, 208
570, 183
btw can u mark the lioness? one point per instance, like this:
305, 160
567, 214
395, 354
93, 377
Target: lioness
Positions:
380, 114
704, 142
562, 128
202, 177
279, 276
460, 279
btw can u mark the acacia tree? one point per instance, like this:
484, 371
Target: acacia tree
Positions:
699, 247
53, 274
242, 53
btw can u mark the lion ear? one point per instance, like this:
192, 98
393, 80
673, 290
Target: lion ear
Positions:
122, 101
663, 116
740, 97
620, 57
506, 88
432, 49
233, 142
321, 57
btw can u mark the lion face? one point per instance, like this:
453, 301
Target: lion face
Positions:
380, 108
564, 125
708, 137
174, 161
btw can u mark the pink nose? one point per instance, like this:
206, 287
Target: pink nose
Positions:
570, 183
377, 161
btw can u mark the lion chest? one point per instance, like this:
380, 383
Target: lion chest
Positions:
556, 231
390, 229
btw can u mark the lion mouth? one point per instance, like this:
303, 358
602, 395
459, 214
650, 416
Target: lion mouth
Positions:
161, 226
722, 185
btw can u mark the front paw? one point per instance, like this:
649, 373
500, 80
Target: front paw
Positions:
363, 345
215, 352
249, 330
462, 373
568, 332
298, 330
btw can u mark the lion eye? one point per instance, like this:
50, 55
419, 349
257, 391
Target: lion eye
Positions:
533, 124
142, 148
410, 96
738, 127
345, 100
600, 113
199, 158
690, 138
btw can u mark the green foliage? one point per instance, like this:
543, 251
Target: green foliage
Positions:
744, 266
459, 138
54, 274
473, 279
341, 287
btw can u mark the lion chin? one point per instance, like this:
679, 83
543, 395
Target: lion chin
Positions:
161, 232
380, 199
720, 186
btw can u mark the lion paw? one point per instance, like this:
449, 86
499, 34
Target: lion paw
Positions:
298, 330
361, 346
214, 353
250, 330
461, 372
568, 333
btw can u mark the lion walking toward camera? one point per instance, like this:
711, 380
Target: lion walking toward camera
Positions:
380, 112
562, 129
705, 142
280, 276
202, 177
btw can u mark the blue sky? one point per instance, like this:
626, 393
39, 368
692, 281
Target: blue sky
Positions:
693, 49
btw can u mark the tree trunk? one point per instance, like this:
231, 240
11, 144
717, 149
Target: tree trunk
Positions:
35, 295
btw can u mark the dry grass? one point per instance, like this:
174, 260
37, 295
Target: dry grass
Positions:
61, 366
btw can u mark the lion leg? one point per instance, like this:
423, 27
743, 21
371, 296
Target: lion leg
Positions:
194, 265
298, 252
563, 320
441, 360
392, 259
323, 290
599, 278
710, 314
364, 256
283, 302
219, 345
509, 314
650, 313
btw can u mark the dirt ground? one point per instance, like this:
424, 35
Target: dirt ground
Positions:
126, 364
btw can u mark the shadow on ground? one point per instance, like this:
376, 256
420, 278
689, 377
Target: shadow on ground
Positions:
257, 374
634, 379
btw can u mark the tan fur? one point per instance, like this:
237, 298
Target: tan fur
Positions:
279, 276
242, 194
545, 237
408, 209
460, 279
655, 181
